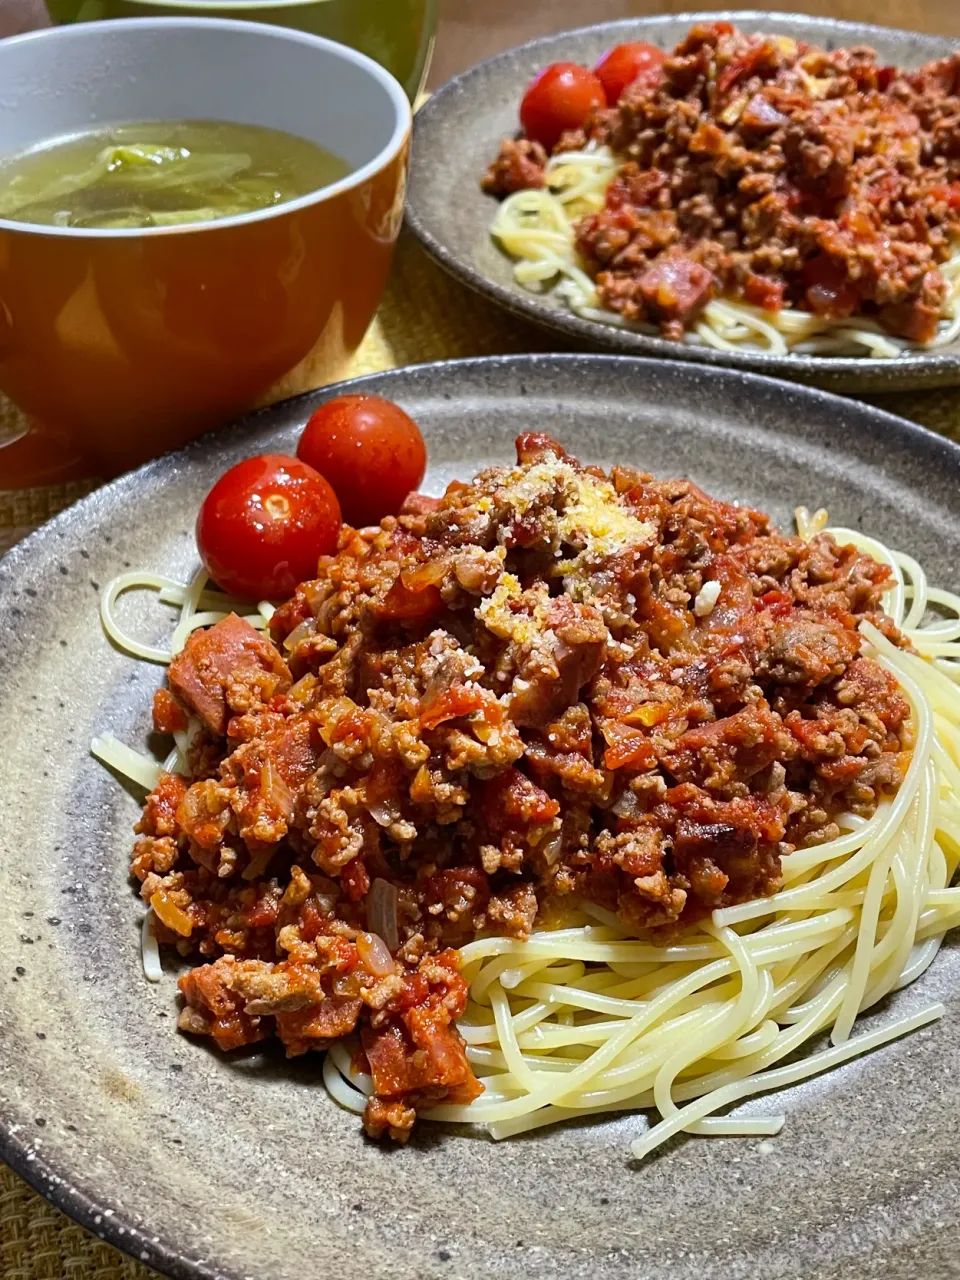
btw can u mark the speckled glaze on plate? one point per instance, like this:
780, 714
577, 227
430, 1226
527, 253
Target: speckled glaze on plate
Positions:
206, 1165
457, 133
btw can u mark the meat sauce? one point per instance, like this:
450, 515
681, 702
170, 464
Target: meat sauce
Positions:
551, 685
760, 169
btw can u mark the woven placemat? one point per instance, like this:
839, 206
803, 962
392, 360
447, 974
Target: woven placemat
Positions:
425, 315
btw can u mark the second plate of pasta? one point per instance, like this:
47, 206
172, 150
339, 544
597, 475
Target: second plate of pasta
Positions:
687, 217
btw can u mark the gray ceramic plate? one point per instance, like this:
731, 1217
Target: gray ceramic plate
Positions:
456, 135
204, 1165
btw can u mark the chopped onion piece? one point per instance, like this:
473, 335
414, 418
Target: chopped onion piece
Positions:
315, 593
382, 912
381, 813
275, 790
299, 632
302, 690
169, 914
375, 955
551, 848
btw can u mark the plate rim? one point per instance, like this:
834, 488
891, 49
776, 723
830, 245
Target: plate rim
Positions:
72, 1197
925, 436
914, 369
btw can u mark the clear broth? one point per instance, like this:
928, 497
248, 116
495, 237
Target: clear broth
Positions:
162, 174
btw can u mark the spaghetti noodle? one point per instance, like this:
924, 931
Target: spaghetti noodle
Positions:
199, 605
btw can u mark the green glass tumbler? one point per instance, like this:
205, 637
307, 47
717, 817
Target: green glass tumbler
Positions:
399, 34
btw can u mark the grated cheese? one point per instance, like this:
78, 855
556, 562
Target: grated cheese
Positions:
600, 523
497, 615
590, 520
591, 516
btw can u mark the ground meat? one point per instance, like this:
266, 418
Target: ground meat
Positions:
518, 167
513, 912
806, 652
759, 168
550, 683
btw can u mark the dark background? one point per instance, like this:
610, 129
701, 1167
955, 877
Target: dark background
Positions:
473, 29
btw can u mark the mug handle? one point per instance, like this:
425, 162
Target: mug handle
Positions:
38, 454
42, 455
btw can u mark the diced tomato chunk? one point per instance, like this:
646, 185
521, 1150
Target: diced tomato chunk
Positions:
779, 603
457, 888
453, 703
949, 193
168, 715
740, 69
535, 446
415, 991
332, 1018
843, 771
355, 880
829, 291
511, 802
312, 920
263, 914
762, 292
629, 749
421, 1052
402, 604
160, 813
204, 990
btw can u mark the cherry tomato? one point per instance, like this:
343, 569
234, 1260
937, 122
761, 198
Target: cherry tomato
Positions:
264, 524
559, 98
624, 64
371, 452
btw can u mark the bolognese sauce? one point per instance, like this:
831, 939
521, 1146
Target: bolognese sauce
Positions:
759, 169
552, 685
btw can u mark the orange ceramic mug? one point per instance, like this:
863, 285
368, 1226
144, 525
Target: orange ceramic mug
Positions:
131, 342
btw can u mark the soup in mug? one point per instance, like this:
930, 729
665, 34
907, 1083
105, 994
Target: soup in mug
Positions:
162, 174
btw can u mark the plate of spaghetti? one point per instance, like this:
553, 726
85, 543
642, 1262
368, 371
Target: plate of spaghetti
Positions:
588, 827
714, 188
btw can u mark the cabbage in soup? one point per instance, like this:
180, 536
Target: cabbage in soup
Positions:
162, 174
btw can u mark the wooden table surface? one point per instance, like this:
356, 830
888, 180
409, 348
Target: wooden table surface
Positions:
474, 29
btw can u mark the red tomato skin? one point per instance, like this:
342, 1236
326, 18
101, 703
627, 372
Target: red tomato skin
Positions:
370, 451
264, 525
829, 290
558, 98
625, 63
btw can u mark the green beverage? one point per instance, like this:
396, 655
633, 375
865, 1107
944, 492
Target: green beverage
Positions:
397, 33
